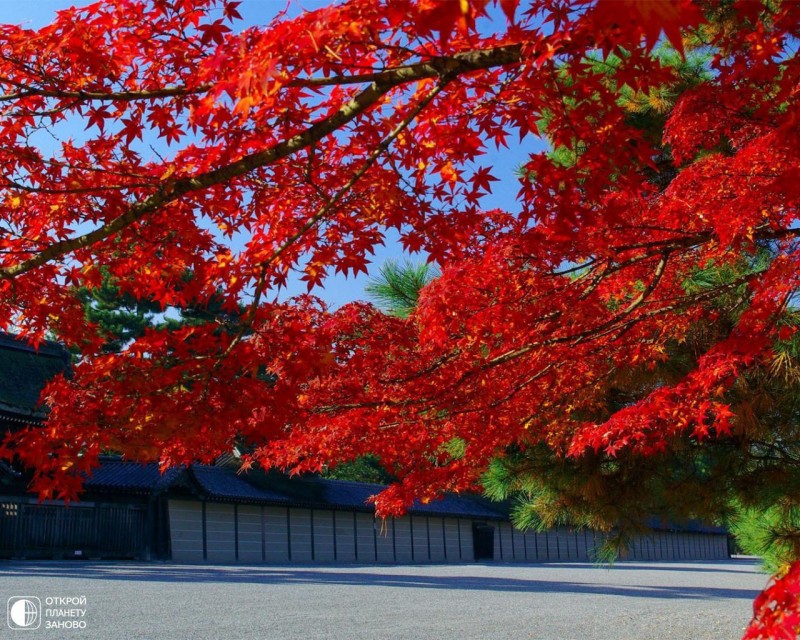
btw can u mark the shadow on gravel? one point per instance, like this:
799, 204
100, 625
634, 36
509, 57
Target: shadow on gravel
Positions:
353, 577
747, 566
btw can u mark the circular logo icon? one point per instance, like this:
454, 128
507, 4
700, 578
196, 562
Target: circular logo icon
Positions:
24, 613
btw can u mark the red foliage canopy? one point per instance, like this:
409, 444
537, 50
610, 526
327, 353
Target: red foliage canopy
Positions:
305, 140
308, 138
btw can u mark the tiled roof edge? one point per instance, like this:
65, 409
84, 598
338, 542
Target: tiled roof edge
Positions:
46, 347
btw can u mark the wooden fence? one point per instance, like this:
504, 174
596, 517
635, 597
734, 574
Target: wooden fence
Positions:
29, 530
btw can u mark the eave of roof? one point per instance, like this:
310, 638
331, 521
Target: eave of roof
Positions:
223, 485
131, 477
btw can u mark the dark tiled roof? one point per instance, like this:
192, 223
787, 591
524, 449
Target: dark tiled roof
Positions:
24, 371
131, 477
472, 506
340, 493
225, 484
222, 483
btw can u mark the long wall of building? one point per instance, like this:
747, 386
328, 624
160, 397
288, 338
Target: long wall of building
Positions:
226, 533
567, 545
222, 533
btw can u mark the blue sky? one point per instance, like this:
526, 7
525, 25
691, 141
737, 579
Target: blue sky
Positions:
338, 289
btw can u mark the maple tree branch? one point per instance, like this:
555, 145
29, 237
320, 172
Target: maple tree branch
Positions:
669, 244
439, 362
373, 76
602, 329
13, 184
171, 190
374, 404
680, 303
528, 381
26, 91
611, 324
587, 266
616, 323
340, 80
660, 267
596, 280
371, 159
115, 96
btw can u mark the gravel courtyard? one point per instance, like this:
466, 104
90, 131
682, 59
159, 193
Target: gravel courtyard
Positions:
551, 601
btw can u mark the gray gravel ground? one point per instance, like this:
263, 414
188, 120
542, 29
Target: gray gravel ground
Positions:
482, 601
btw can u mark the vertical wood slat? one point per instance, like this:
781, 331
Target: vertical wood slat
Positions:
54, 530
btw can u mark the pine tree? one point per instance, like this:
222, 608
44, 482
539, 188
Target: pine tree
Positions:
120, 317
397, 287
749, 481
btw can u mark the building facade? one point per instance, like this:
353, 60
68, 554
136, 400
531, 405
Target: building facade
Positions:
211, 514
